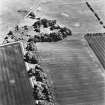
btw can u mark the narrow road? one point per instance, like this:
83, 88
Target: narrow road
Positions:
76, 77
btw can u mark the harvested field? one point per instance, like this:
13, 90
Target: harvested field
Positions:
97, 43
15, 88
76, 78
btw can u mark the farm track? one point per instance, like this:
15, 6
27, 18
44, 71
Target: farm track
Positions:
76, 78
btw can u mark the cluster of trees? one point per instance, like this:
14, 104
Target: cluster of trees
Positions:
44, 22
56, 33
61, 33
53, 36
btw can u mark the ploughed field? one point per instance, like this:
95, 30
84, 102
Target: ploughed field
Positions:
76, 78
97, 43
15, 87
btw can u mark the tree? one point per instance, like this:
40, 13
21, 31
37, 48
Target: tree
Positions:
31, 57
32, 15
10, 33
31, 46
52, 22
44, 22
37, 24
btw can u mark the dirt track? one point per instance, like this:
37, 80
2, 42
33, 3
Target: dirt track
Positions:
77, 79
